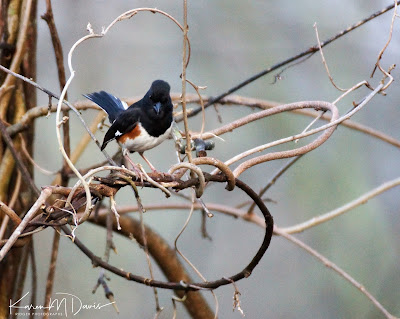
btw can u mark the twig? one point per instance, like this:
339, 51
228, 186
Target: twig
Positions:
194, 169
377, 64
215, 207
335, 268
203, 112
49, 18
189, 217
331, 126
272, 181
115, 212
18, 55
45, 194
219, 165
262, 104
246, 272
183, 76
309, 51
154, 183
31, 160
18, 160
10, 213
39, 111
236, 301
324, 61
52, 272
341, 210
290, 153
34, 277
167, 260
21, 273
146, 248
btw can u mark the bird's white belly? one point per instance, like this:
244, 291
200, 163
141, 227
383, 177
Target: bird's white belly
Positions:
144, 141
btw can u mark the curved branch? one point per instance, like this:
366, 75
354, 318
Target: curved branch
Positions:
318, 105
195, 169
224, 209
166, 259
221, 166
39, 111
97, 261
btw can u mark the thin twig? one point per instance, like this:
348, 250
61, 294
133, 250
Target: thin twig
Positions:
324, 61
377, 64
341, 210
183, 76
45, 194
308, 51
18, 160
194, 169
52, 272
295, 152
189, 217
214, 207
273, 180
57, 47
39, 111
335, 268
246, 272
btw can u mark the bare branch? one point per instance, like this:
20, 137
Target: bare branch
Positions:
336, 268
341, 210
45, 194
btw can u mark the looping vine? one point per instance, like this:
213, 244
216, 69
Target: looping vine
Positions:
221, 166
97, 261
195, 169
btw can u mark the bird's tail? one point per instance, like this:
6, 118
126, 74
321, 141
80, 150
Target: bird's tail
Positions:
108, 102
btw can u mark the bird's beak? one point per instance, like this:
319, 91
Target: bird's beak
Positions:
157, 107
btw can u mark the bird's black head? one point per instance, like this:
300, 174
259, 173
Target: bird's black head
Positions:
159, 99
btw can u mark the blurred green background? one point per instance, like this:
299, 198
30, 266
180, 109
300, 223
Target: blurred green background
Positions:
232, 40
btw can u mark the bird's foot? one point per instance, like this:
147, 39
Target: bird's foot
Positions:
136, 169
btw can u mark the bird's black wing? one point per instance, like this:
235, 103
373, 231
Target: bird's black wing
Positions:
108, 102
125, 122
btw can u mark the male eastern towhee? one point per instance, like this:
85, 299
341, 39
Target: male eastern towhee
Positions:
141, 126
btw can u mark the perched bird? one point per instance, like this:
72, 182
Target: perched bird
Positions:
143, 125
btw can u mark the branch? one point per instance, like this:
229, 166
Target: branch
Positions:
45, 194
166, 259
341, 210
97, 261
335, 268
308, 52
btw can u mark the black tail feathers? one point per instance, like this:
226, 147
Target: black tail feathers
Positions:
108, 102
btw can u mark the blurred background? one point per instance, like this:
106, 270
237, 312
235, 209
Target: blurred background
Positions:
231, 41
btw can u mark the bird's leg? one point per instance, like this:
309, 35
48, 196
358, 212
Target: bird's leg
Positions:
134, 166
148, 163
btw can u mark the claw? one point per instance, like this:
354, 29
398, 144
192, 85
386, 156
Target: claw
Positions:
135, 168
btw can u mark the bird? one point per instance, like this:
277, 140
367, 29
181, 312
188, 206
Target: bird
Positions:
141, 126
